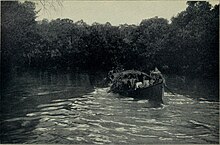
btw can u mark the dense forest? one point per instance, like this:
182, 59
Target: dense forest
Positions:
187, 45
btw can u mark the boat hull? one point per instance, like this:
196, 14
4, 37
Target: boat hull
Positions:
152, 93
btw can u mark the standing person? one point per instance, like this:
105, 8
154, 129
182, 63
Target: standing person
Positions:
155, 72
157, 75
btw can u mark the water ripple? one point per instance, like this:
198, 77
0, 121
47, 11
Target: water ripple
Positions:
105, 118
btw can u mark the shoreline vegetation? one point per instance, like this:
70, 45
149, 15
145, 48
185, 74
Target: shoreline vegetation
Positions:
187, 46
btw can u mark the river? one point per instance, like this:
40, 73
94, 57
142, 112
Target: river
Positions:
74, 108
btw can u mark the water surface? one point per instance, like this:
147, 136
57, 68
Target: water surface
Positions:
73, 108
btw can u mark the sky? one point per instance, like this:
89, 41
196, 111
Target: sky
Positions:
115, 12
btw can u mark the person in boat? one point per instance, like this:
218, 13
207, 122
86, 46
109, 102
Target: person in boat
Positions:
131, 81
155, 72
140, 81
146, 82
129, 84
140, 78
138, 85
126, 82
143, 81
156, 75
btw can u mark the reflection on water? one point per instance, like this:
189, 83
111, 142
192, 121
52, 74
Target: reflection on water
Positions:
70, 108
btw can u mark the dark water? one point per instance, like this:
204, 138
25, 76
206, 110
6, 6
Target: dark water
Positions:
71, 108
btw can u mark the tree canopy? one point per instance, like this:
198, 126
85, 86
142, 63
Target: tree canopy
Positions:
186, 46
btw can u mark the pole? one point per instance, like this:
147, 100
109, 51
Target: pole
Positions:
169, 90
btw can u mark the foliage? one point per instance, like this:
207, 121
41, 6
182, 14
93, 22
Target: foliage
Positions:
195, 37
18, 32
186, 46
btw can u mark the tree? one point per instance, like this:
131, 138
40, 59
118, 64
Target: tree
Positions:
150, 41
193, 30
190, 39
18, 29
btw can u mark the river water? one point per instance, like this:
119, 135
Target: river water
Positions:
74, 108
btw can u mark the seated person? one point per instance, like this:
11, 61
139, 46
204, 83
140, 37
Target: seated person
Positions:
138, 85
146, 82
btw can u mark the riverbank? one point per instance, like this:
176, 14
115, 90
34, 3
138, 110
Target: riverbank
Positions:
196, 88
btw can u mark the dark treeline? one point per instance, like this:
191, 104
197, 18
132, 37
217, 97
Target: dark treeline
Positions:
188, 45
